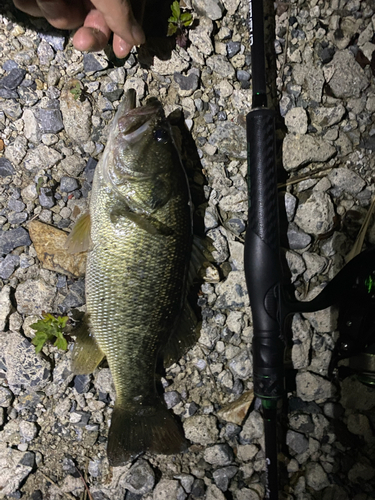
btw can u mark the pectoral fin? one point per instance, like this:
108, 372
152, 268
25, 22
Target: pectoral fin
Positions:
79, 239
86, 353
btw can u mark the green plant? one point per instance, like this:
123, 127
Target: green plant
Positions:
50, 329
76, 91
178, 22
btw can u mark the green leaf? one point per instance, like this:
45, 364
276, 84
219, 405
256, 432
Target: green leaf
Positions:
175, 8
172, 28
50, 329
61, 343
186, 18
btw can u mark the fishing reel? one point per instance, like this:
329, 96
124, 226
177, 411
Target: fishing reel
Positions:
353, 291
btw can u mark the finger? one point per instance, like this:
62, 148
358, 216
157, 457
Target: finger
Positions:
63, 14
121, 20
29, 7
94, 34
120, 47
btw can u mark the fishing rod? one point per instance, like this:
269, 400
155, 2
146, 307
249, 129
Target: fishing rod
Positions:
269, 300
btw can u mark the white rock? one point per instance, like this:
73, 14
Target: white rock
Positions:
5, 306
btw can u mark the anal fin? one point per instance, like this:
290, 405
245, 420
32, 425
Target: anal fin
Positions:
183, 338
87, 355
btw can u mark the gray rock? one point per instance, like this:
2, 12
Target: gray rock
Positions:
223, 476
186, 481
45, 53
312, 387
15, 467
82, 383
34, 296
11, 108
253, 428
322, 117
296, 264
232, 293
6, 168
219, 455
201, 429
5, 306
13, 238
346, 180
315, 264
76, 116
296, 121
230, 139
49, 120
8, 94
300, 150
213, 9
345, 76
361, 471
213, 493
188, 82
57, 41
241, 365
201, 36
316, 477
75, 296
16, 205
68, 184
6, 397
172, 398
297, 441
20, 365
233, 48
8, 265
316, 215
290, 205
94, 62
46, 198
15, 218
13, 78
220, 65
197, 491
219, 241
28, 431
301, 342
141, 478
297, 238
168, 489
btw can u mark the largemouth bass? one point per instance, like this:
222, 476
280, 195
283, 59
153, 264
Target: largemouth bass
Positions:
140, 226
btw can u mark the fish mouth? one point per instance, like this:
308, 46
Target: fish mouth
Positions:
135, 121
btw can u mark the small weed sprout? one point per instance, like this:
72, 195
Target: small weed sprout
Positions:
50, 329
178, 23
76, 91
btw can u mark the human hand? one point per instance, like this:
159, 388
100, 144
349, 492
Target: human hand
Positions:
95, 19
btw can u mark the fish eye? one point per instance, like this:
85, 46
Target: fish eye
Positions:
161, 135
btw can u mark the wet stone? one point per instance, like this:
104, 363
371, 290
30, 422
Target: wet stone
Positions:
13, 238
13, 78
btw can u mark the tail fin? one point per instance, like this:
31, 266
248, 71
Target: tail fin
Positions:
131, 434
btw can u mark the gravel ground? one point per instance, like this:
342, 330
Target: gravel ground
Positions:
54, 425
